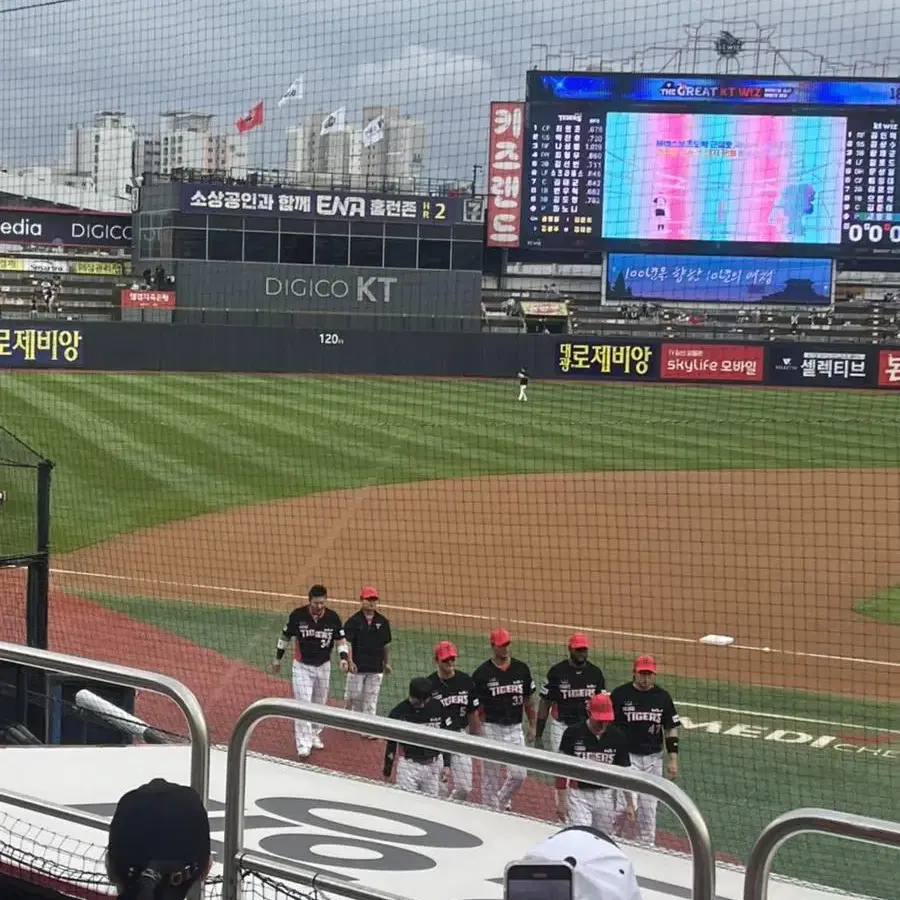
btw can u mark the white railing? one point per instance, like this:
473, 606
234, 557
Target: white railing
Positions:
805, 821
556, 764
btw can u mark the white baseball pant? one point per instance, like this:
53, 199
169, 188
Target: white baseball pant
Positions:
461, 776
557, 729
311, 684
420, 777
362, 690
523, 392
645, 806
497, 795
593, 809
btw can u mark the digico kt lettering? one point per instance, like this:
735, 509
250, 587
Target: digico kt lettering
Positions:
364, 289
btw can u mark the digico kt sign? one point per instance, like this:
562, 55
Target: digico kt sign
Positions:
376, 289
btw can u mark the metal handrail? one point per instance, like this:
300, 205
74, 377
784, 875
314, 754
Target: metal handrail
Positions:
555, 764
185, 699
802, 821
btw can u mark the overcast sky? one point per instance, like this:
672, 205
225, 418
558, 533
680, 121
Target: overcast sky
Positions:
441, 61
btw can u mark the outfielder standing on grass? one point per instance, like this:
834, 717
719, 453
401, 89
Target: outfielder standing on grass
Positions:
647, 715
505, 690
369, 636
455, 691
315, 630
419, 769
596, 739
567, 691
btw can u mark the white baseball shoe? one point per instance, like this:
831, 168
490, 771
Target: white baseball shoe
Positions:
317, 744
303, 752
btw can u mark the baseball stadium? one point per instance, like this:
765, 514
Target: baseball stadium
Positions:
595, 337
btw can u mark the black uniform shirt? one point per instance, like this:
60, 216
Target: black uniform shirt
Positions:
368, 640
611, 748
502, 692
523, 378
430, 714
571, 689
644, 716
314, 638
457, 698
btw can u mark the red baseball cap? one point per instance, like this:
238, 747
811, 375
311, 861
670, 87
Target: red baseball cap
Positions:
600, 708
499, 637
645, 663
368, 593
445, 650
579, 641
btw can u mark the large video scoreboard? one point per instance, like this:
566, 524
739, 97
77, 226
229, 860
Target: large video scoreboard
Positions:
711, 164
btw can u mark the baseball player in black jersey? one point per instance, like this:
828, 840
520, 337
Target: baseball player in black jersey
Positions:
314, 629
567, 691
369, 636
505, 689
419, 768
455, 691
523, 384
647, 715
597, 739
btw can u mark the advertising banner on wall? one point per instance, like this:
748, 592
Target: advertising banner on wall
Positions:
745, 280
148, 299
712, 362
40, 346
889, 368
505, 165
299, 203
821, 365
86, 267
65, 228
612, 359
47, 266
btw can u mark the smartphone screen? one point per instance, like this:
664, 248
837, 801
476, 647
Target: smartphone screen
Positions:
538, 881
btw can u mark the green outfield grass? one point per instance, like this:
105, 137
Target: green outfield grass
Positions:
882, 607
138, 450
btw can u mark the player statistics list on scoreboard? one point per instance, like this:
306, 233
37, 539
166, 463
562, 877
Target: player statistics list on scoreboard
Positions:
871, 214
564, 182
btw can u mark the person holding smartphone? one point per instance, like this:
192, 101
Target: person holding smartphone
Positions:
579, 803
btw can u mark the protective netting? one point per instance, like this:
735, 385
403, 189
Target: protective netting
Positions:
18, 497
192, 513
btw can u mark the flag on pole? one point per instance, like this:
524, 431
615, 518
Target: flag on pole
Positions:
334, 121
294, 92
373, 132
252, 120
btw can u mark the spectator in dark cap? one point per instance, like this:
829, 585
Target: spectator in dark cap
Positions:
159, 844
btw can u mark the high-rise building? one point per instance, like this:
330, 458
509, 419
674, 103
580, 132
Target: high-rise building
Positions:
186, 140
399, 157
331, 158
103, 150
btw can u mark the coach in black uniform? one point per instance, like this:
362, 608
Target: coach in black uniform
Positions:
455, 691
505, 689
567, 691
598, 740
419, 768
647, 715
523, 383
369, 636
314, 629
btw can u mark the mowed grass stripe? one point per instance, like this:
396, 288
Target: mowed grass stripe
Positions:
249, 452
330, 454
108, 413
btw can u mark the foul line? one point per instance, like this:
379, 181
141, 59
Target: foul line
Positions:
481, 618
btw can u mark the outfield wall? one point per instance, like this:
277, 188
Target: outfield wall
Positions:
118, 346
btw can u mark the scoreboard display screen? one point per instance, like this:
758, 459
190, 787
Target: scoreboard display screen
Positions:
718, 164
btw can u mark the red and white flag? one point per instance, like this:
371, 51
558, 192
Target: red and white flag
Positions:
252, 120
